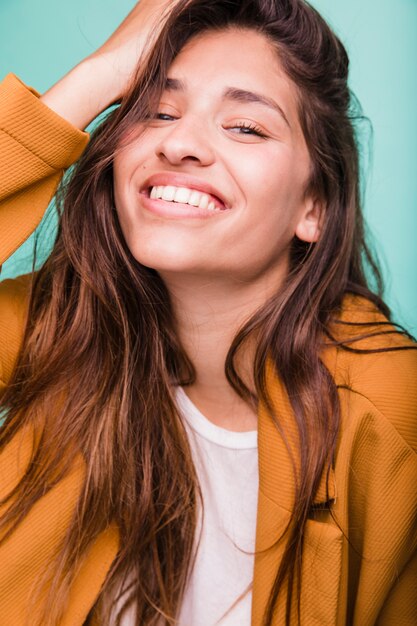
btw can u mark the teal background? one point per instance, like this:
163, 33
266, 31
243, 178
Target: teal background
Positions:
40, 40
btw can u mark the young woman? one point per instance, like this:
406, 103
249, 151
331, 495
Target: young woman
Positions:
209, 417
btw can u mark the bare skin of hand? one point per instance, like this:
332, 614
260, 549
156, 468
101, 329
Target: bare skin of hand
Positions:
104, 76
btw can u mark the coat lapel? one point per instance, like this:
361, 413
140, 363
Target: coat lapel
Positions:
275, 503
276, 489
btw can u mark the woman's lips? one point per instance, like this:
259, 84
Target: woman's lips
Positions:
182, 180
176, 210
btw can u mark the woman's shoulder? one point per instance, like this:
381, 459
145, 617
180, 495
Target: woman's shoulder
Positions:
380, 367
14, 299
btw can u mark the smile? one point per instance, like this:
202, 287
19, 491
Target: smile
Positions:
185, 195
172, 202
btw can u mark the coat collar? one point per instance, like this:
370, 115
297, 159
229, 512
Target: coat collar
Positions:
276, 489
276, 484
276, 472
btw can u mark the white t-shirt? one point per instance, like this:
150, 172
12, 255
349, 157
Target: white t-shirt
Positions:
227, 467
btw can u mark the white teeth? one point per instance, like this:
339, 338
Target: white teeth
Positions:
184, 195
204, 202
168, 193
195, 198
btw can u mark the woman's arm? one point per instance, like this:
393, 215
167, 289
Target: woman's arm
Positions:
104, 77
40, 135
36, 146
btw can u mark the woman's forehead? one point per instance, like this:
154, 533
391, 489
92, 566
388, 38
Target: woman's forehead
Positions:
240, 65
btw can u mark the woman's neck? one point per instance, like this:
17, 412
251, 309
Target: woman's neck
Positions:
208, 316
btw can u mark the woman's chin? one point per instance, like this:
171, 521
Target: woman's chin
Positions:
173, 262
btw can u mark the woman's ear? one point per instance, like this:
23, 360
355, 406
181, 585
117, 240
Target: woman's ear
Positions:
309, 225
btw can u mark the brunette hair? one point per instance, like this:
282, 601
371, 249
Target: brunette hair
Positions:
100, 353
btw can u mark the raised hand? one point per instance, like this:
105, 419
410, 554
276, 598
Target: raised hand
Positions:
104, 76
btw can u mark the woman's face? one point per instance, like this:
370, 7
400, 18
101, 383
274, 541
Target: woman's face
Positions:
227, 134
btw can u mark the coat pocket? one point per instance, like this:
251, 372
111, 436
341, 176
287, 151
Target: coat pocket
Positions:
321, 574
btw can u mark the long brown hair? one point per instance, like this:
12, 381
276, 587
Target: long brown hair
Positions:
100, 354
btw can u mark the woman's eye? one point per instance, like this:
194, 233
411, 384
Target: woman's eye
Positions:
246, 128
164, 116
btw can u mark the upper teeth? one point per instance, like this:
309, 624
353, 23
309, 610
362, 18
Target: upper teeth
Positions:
185, 196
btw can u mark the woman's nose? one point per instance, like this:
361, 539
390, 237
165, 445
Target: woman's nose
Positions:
185, 141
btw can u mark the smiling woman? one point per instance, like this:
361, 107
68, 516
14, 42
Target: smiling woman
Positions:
207, 407
219, 129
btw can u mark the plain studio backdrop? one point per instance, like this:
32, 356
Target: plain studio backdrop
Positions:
40, 40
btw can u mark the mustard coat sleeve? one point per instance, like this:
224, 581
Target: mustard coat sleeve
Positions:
36, 146
377, 475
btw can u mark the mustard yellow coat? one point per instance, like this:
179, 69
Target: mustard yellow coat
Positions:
373, 482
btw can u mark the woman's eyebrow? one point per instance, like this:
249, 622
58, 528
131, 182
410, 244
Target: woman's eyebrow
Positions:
235, 94
242, 95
